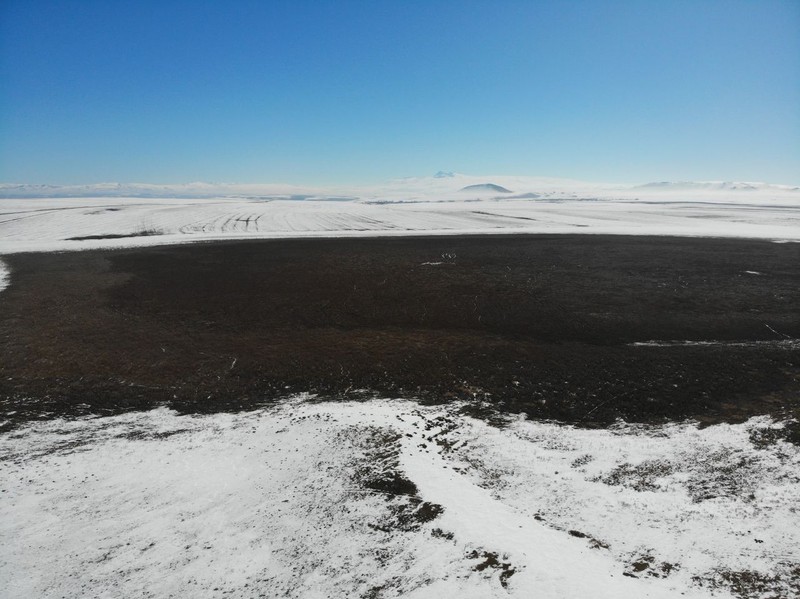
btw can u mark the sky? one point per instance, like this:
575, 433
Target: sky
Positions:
315, 92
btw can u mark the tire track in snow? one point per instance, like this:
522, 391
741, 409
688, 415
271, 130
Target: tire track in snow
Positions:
47, 228
548, 561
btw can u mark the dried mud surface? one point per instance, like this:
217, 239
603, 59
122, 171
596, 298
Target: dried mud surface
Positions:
538, 324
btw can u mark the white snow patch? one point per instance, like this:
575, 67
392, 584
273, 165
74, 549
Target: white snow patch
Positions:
786, 343
5, 275
273, 502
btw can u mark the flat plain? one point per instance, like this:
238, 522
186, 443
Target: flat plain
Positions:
584, 415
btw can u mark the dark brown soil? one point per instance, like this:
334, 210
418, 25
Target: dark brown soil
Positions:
534, 324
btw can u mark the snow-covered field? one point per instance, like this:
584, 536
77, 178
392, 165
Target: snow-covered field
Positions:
308, 498
35, 218
386, 498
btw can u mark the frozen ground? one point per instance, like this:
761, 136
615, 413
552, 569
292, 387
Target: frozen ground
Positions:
34, 218
387, 498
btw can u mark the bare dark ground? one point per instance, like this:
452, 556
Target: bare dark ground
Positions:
535, 324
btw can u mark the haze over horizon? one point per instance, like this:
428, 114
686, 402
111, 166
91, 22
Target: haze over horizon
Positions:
345, 93
431, 182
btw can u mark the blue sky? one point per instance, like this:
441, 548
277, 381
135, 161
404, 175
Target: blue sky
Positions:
351, 92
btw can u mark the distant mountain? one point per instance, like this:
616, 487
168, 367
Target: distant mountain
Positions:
486, 187
443, 186
716, 186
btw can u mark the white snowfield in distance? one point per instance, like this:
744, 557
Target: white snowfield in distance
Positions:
56, 218
292, 501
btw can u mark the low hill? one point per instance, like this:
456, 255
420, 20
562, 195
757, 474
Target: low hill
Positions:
486, 187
